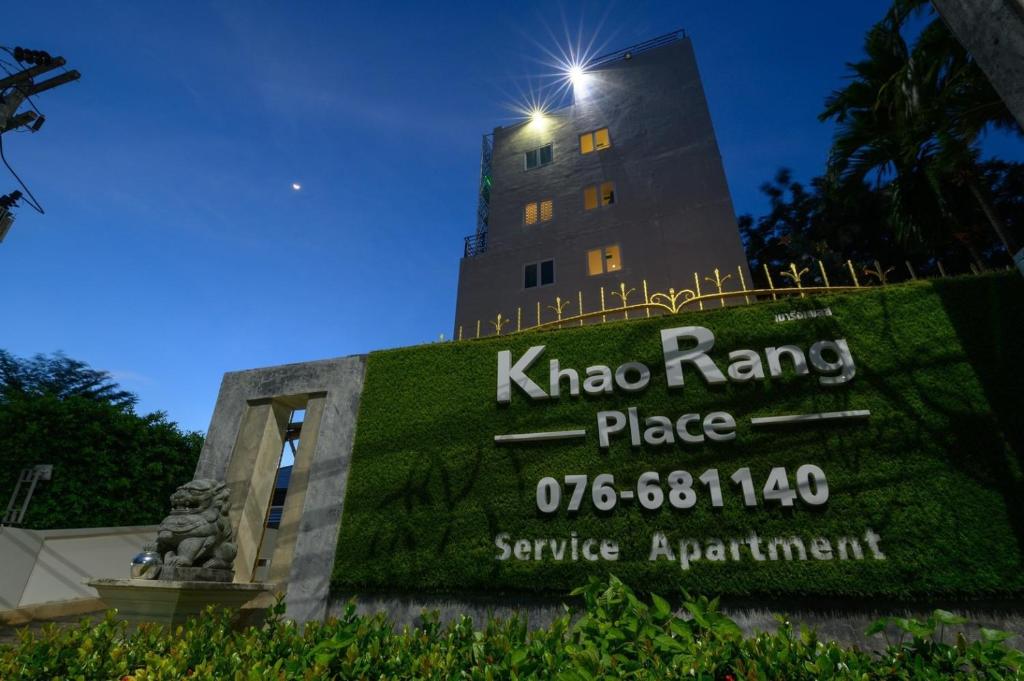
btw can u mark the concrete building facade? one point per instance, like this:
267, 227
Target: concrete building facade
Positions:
624, 186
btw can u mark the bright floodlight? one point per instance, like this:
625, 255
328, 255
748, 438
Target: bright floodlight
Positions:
576, 75
536, 115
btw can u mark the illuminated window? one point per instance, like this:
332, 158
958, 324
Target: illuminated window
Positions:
538, 157
594, 141
598, 195
539, 274
607, 193
601, 260
538, 211
530, 214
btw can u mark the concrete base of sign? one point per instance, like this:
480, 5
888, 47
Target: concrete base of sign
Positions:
169, 602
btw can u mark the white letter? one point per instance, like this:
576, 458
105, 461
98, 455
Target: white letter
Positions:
685, 557
599, 380
844, 363
557, 375
618, 422
660, 547
775, 365
659, 430
609, 549
872, 539
501, 541
746, 364
509, 373
787, 548
854, 546
821, 548
719, 426
674, 357
684, 434
522, 550
642, 380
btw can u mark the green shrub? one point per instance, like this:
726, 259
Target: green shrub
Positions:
616, 635
935, 470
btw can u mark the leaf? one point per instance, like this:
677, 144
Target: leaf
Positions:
662, 609
946, 617
995, 635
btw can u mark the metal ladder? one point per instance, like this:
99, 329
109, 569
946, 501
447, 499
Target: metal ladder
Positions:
14, 514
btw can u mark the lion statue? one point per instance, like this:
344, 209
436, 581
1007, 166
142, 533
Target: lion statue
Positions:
197, 533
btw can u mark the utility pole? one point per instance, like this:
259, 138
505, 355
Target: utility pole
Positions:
15, 89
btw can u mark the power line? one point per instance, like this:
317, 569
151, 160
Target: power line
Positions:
31, 199
19, 86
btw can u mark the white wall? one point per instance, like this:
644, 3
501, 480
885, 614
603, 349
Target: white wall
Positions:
62, 559
18, 551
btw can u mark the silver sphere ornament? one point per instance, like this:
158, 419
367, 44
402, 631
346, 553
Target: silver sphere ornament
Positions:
146, 565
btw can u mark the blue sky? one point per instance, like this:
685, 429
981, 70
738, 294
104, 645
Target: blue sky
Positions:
174, 249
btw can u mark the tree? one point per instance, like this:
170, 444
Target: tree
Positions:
111, 466
910, 119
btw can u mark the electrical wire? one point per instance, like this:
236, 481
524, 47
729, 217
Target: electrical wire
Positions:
30, 198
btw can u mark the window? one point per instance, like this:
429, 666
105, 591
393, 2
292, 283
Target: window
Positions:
541, 211
601, 260
598, 195
538, 157
594, 141
545, 270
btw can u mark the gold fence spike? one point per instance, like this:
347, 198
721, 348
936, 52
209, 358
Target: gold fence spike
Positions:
647, 300
718, 281
743, 283
911, 270
853, 273
942, 270
538, 313
623, 294
581, 307
558, 307
771, 285
795, 276
696, 283
519, 319
478, 328
824, 275
604, 317
460, 331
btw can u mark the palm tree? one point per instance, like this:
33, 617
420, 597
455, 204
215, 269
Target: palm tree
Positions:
911, 119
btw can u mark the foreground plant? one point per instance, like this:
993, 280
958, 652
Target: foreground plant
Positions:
615, 635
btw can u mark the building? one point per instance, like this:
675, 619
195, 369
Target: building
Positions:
625, 186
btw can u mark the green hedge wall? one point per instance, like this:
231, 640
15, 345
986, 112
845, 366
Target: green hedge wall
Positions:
935, 470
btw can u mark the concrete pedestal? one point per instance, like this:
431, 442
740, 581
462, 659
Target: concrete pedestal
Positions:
172, 602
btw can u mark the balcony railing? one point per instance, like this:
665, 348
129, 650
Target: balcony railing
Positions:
475, 244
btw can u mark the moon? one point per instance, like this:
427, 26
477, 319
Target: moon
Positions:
296, 186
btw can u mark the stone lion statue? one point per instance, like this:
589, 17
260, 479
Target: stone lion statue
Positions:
197, 533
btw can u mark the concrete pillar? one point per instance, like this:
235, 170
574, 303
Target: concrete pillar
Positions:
295, 501
250, 477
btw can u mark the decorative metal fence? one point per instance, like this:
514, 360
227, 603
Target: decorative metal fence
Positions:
630, 303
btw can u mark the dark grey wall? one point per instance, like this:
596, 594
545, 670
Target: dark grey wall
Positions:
673, 215
993, 32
